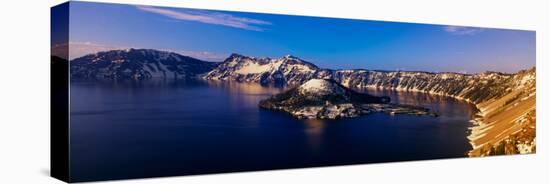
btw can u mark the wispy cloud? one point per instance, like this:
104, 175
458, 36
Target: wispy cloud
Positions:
79, 49
460, 30
208, 17
203, 55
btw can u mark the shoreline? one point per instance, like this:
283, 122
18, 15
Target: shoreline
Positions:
475, 122
480, 127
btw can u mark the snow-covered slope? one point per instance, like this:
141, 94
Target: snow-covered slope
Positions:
321, 87
472, 88
137, 64
506, 124
288, 70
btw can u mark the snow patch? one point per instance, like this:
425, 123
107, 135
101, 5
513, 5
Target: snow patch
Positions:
321, 86
256, 67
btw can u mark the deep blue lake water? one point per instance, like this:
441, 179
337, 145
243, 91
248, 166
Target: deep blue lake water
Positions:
161, 128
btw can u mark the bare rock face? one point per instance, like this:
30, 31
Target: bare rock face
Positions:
327, 99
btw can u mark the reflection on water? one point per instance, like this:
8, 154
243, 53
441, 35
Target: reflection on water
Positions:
129, 129
437, 103
314, 130
249, 93
246, 88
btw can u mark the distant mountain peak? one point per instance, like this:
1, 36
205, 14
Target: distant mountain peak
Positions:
285, 57
285, 70
134, 63
288, 56
235, 55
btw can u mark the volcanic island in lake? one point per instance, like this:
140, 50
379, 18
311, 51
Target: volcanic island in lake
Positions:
327, 99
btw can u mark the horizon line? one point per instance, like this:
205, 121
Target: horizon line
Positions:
287, 55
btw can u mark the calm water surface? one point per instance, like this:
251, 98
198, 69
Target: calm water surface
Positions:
162, 128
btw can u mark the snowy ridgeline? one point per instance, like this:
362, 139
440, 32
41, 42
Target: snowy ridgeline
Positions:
137, 64
293, 71
288, 70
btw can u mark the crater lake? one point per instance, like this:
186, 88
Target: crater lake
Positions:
134, 129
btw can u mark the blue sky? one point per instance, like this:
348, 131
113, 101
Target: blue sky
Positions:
326, 42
